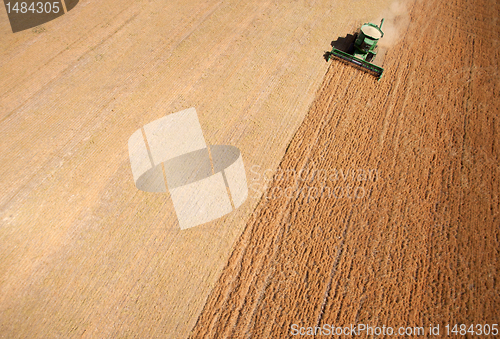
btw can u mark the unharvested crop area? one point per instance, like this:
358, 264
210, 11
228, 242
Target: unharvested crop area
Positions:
385, 207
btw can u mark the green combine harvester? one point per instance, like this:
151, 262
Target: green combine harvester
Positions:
363, 50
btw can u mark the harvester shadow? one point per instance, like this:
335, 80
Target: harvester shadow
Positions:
345, 44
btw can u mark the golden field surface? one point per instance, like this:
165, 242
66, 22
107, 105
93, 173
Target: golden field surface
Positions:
385, 208
408, 237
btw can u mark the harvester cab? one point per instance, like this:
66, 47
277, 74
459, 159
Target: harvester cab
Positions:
364, 49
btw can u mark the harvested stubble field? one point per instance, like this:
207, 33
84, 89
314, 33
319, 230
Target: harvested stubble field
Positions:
385, 207
409, 238
82, 251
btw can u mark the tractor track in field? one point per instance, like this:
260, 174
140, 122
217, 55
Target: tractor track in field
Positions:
422, 246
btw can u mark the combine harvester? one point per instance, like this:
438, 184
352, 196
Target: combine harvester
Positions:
362, 51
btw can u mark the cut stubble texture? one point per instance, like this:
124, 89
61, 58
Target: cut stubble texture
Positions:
83, 253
